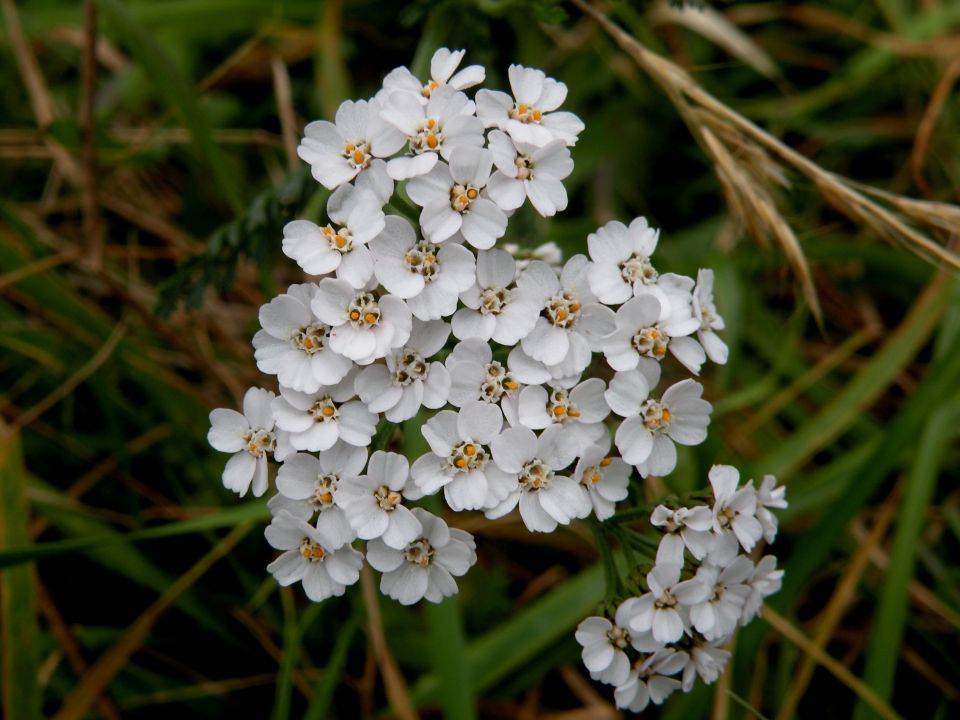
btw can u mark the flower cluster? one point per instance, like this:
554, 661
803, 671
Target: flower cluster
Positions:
537, 381
701, 588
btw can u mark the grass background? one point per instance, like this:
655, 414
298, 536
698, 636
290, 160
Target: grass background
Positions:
146, 155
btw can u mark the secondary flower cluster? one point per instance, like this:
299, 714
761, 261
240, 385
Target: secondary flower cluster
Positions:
540, 377
663, 639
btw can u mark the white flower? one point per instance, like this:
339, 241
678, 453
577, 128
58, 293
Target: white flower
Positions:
605, 478
366, 326
533, 372
658, 610
408, 380
770, 496
432, 130
734, 514
294, 344
311, 556
603, 645
428, 277
527, 171
764, 581
451, 200
572, 322
493, 309
546, 499
312, 483
373, 502
548, 252
621, 257
649, 680
337, 153
475, 375
357, 217
718, 614
317, 420
688, 527
651, 427
706, 660
578, 410
460, 461
642, 330
249, 437
530, 118
425, 568
706, 313
443, 65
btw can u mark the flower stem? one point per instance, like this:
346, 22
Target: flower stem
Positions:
609, 564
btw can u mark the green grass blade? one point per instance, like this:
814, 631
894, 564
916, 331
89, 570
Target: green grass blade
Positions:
320, 704
224, 518
449, 658
288, 663
18, 621
502, 651
883, 650
860, 393
176, 90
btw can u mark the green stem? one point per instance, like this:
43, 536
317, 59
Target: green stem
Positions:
609, 565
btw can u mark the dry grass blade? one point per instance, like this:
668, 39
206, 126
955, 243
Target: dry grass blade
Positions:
74, 380
712, 25
85, 694
839, 602
847, 197
393, 682
288, 118
929, 121
833, 666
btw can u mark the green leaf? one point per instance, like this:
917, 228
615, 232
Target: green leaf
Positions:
500, 652
18, 606
883, 650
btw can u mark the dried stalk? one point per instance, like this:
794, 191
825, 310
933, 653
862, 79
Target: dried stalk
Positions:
750, 164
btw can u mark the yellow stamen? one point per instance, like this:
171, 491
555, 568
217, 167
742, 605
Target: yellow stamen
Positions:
432, 141
561, 314
328, 230
354, 315
357, 157
559, 411
469, 450
460, 462
605, 462
326, 498
370, 318
431, 124
574, 307
573, 413
536, 115
522, 109
472, 193
595, 478
327, 411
